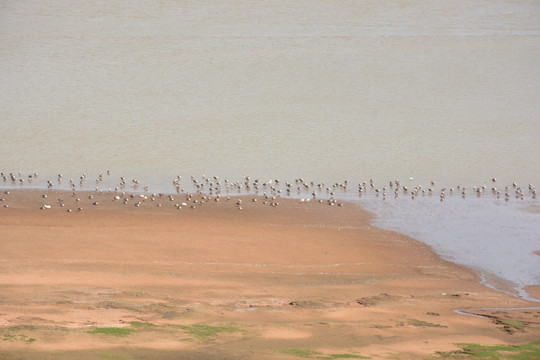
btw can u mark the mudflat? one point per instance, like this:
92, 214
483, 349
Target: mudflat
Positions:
91, 275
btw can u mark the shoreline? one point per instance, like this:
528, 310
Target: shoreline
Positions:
25, 198
162, 203
291, 275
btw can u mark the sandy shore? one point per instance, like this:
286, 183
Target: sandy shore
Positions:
215, 281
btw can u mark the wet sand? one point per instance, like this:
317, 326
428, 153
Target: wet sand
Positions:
267, 282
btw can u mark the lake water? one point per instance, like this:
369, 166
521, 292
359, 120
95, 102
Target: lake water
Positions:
444, 91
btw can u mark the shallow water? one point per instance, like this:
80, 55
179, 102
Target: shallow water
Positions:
326, 91
493, 236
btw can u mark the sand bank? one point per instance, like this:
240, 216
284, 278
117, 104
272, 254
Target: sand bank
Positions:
234, 278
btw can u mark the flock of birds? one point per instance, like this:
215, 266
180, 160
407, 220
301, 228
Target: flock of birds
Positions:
205, 188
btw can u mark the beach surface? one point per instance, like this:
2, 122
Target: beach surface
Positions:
190, 277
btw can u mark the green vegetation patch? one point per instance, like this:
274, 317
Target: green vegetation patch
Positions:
10, 337
344, 356
529, 351
22, 328
421, 323
511, 326
27, 339
112, 331
18, 337
205, 332
305, 353
314, 354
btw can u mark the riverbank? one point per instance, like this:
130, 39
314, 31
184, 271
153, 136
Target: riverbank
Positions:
242, 277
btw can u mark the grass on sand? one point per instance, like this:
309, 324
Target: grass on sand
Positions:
113, 331
421, 323
205, 332
313, 354
529, 351
199, 331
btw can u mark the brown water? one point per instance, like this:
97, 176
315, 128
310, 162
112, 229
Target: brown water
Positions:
323, 90
443, 90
